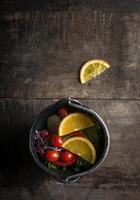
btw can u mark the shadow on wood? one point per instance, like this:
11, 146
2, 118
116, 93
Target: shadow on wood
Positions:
17, 166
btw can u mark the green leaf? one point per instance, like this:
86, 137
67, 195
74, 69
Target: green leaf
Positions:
81, 163
93, 134
51, 165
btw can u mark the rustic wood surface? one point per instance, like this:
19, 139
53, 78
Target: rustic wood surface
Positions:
42, 52
42, 47
118, 178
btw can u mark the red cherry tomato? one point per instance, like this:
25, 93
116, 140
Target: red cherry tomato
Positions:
52, 155
65, 164
67, 156
77, 133
44, 133
63, 112
56, 141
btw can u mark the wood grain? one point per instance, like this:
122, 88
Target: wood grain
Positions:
42, 52
118, 178
42, 47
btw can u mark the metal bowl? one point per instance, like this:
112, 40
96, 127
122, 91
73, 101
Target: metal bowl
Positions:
40, 123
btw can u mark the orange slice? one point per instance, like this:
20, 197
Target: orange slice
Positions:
74, 122
81, 147
91, 69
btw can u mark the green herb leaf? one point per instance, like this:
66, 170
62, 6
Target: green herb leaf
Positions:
51, 165
81, 163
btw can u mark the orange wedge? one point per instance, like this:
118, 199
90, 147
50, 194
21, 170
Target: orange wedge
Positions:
74, 122
91, 69
81, 147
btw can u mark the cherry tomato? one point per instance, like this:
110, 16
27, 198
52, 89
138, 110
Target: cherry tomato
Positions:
67, 156
52, 155
65, 164
56, 141
77, 133
44, 133
63, 112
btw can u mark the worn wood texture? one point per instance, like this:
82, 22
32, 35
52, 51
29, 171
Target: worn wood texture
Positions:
118, 178
42, 47
42, 50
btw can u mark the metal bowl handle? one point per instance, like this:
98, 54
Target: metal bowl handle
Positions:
74, 101
71, 180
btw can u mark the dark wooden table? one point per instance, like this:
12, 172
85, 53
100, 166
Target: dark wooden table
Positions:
42, 47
